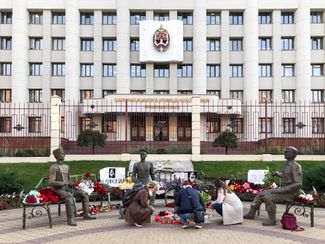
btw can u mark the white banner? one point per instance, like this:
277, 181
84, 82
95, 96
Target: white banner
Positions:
112, 176
256, 176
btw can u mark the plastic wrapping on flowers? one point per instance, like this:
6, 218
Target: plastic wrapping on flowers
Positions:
127, 184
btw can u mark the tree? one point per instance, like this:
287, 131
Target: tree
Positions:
89, 138
226, 139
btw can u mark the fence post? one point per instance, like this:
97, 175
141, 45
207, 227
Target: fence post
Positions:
266, 129
55, 124
196, 124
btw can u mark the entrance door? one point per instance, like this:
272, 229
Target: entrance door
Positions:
184, 127
138, 127
161, 127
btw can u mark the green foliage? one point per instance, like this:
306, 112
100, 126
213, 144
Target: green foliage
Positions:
205, 197
178, 149
9, 182
268, 178
25, 152
312, 150
226, 139
314, 176
171, 149
275, 150
90, 138
137, 149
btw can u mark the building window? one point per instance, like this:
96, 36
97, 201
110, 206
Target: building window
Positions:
5, 43
35, 124
316, 17
214, 92
138, 92
109, 19
236, 18
86, 70
86, 94
5, 69
261, 125
109, 123
108, 92
58, 69
187, 45
316, 43
36, 18
236, 70
288, 70
58, 92
236, 44
109, 70
161, 16
317, 69
265, 43
287, 18
318, 125
35, 69
87, 45
85, 123
317, 96
265, 18
213, 44
184, 92
86, 18
62, 125
237, 125
5, 124
213, 18
213, 123
265, 96
161, 71
35, 95
58, 18
5, 95
6, 18
288, 96
138, 70
109, 45
265, 70
213, 70
58, 44
184, 70
161, 92
287, 43
236, 94
35, 43
289, 125
187, 18
135, 18
134, 45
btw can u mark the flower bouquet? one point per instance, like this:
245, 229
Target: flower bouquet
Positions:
127, 184
167, 217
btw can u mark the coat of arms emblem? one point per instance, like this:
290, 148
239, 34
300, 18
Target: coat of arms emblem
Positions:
161, 39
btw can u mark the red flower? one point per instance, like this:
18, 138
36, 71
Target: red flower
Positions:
31, 199
98, 187
87, 174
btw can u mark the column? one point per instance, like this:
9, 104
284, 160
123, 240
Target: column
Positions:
46, 75
20, 40
123, 48
196, 128
251, 69
199, 47
55, 123
276, 48
225, 80
72, 51
302, 41
98, 47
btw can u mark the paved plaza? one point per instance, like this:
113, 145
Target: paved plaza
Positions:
108, 228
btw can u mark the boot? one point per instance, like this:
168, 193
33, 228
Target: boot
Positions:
85, 208
70, 213
271, 221
251, 214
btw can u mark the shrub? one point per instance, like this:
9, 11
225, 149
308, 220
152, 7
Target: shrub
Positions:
138, 149
314, 177
178, 149
226, 139
312, 150
89, 138
9, 182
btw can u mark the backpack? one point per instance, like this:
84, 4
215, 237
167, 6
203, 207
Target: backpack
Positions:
128, 197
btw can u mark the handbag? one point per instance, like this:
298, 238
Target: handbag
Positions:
198, 212
289, 222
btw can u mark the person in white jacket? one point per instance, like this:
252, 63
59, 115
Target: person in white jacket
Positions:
228, 205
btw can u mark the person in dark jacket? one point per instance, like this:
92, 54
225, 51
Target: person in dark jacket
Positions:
188, 199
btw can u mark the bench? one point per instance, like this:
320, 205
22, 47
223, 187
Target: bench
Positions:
301, 209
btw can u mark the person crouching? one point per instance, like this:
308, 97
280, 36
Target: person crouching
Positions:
139, 211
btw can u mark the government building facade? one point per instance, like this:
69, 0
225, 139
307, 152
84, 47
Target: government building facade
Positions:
132, 68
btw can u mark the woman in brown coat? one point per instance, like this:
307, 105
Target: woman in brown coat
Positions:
139, 211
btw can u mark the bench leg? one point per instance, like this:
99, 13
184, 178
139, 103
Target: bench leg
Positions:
59, 209
48, 210
312, 215
24, 217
